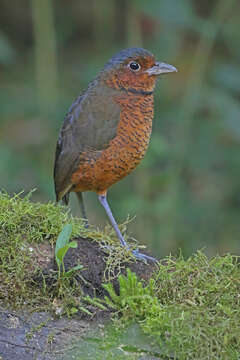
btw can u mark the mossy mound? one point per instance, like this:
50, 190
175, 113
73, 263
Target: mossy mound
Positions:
24, 227
28, 272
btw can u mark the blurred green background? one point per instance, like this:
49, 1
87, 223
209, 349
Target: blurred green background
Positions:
186, 192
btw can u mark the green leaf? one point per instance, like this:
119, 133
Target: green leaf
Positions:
83, 309
62, 251
62, 240
73, 310
75, 268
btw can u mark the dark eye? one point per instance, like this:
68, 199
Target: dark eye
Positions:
134, 66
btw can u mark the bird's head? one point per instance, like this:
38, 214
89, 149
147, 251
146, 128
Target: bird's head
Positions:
135, 69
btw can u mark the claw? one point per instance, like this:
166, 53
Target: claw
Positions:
143, 257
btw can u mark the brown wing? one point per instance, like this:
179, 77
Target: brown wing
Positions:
91, 123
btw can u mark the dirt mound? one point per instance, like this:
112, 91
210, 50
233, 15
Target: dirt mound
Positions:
95, 261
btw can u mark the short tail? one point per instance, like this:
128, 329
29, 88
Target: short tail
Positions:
65, 199
64, 195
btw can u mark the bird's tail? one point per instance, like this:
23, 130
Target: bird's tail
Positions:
65, 199
63, 195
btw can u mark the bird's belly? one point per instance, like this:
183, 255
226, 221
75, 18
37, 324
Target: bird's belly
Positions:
98, 171
114, 163
118, 162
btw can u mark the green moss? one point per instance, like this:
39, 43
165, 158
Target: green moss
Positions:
190, 307
26, 229
24, 225
34, 221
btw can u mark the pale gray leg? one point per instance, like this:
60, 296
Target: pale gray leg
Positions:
136, 253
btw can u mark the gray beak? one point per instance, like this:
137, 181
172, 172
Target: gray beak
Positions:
160, 68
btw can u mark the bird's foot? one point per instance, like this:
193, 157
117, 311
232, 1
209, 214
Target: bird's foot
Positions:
136, 254
143, 257
86, 224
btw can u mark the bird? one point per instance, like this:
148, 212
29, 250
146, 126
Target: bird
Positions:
106, 131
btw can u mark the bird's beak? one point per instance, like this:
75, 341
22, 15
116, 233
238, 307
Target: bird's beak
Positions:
160, 68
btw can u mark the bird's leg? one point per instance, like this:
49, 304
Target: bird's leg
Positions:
82, 208
103, 200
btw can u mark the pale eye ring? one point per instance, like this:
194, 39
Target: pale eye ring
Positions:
134, 66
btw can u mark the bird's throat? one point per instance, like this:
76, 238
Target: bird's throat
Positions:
135, 91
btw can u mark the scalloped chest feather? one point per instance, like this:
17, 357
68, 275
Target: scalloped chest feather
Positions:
99, 169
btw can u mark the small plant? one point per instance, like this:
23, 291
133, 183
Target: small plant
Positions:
61, 248
132, 293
